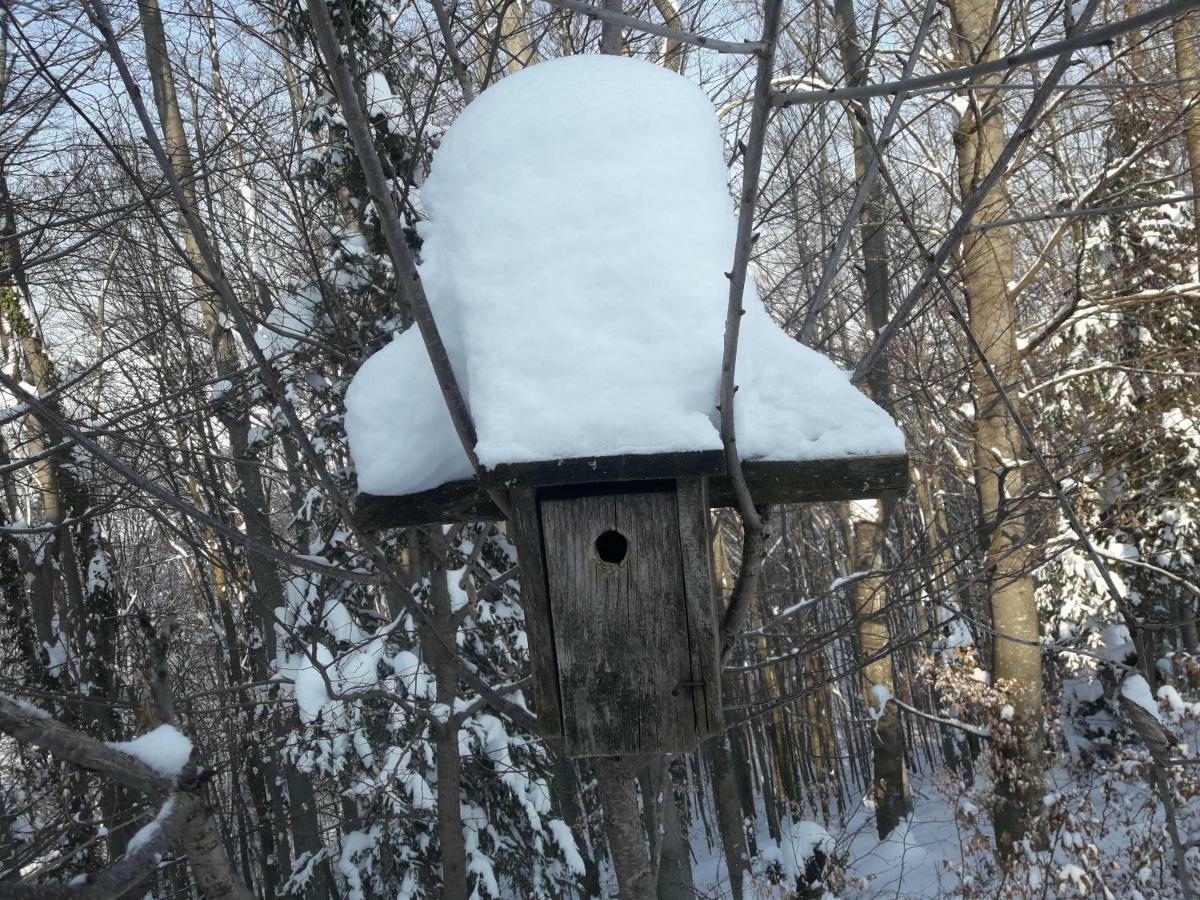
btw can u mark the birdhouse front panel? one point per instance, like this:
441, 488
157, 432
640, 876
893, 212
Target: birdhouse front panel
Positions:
632, 620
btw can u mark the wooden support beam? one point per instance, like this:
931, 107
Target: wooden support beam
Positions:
770, 482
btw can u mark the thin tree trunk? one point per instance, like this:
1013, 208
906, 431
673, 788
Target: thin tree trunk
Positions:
675, 856
729, 811
667, 842
449, 765
611, 39
893, 798
1186, 31
267, 593
987, 268
623, 828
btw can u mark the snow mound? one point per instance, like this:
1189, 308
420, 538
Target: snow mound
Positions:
1136, 689
579, 228
166, 750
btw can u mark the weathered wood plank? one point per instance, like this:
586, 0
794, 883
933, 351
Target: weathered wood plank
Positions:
619, 627
455, 501
695, 542
804, 481
526, 533
816, 480
594, 469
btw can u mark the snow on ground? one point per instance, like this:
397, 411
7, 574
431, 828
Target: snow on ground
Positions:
579, 228
915, 861
946, 848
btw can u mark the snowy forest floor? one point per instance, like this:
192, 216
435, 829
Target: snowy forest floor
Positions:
1103, 847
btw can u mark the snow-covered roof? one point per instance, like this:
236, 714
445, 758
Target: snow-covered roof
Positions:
579, 228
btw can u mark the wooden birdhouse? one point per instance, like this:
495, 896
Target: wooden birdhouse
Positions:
578, 230
617, 580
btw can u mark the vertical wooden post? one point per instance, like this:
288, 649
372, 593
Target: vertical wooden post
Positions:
695, 543
539, 627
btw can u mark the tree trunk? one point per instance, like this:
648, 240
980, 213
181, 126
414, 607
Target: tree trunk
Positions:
675, 859
623, 827
1186, 31
987, 268
449, 765
729, 811
893, 799
267, 592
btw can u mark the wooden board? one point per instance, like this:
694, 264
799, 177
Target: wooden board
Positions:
803, 481
600, 469
619, 628
695, 546
535, 601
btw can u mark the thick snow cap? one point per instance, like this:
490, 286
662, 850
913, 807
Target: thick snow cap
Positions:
579, 228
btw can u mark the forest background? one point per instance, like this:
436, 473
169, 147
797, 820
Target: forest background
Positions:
216, 683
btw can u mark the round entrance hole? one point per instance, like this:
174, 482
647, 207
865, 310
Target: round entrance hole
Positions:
612, 546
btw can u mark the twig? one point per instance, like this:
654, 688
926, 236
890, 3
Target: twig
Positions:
977, 730
408, 281
684, 37
1094, 37
973, 203
754, 538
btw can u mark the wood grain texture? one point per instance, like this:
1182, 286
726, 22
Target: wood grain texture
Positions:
695, 543
816, 480
596, 469
455, 501
539, 623
620, 628
770, 482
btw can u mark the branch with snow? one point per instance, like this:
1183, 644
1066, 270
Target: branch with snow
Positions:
883, 697
31, 725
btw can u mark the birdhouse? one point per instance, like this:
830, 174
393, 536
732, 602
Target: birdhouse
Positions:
622, 574
578, 229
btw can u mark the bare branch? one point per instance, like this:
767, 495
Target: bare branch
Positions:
1094, 37
684, 37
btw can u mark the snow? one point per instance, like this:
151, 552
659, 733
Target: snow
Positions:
881, 696
29, 709
308, 682
166, 750
800, 842
562, 835
864, 510
1136, 689
150, 830
56, 655
1117, 644
579, 228
288, 322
